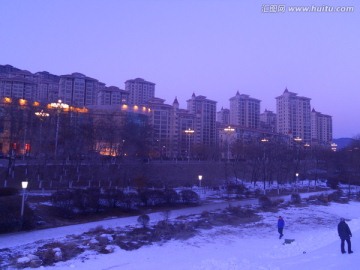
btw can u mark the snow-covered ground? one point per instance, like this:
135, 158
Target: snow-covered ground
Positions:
250, 246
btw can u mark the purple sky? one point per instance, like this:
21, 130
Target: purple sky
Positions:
211, 47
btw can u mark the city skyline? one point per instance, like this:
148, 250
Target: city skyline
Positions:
210, 48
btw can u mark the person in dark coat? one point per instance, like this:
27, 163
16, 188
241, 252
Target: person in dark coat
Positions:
280, 225
344, 234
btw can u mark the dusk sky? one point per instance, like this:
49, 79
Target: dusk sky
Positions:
212, 48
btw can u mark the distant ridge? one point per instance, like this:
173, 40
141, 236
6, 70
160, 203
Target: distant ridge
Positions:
343, 142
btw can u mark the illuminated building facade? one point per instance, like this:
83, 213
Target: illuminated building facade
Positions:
293, 115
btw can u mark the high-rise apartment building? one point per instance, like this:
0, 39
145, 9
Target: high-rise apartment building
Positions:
140, 91
47, 86
7, 70
17, 87
183, 131
112, 95
17, 83
268, 121
205, 119
223, 116
78, 90
244, 111
160, 120
293, 115
321, 128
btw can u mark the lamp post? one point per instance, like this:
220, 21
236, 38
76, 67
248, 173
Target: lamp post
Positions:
307, 147
200, 178
24, 185
264, 141
42, 115
59, 106
296, 182
189, 132
228, 131
298, 141
123, 154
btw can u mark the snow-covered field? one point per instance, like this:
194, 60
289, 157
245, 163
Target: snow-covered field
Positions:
250, 246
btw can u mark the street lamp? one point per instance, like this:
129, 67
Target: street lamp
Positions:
298, 141
24, 185
264, 141
59, 106
228, 131
189, 132
42, 115
297, 180
200, 178
333, 147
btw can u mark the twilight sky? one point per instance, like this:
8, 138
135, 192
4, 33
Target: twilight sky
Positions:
207, 47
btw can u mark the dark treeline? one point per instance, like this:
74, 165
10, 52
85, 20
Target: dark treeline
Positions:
77, 149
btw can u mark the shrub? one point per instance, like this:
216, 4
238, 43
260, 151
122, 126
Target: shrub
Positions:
258, 192
249, 194
236, 189
97, 230
323, 198
357, 195
171, 196
166, 215
239, 211
8, 191
10, 216
144, 220
111, 197
337, 196
48, 253
167, 231
86, 200
333, 183
64, 202
295, 198
93, 200
264, 201
277, 202
189, 197
152, 197
234, 210
130, 200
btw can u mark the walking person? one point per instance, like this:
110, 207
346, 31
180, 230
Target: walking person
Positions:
280, 225
344, 234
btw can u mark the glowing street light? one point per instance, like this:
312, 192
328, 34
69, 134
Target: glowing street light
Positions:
42, 115
200, 178
297, 180
334, 147
24, 185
